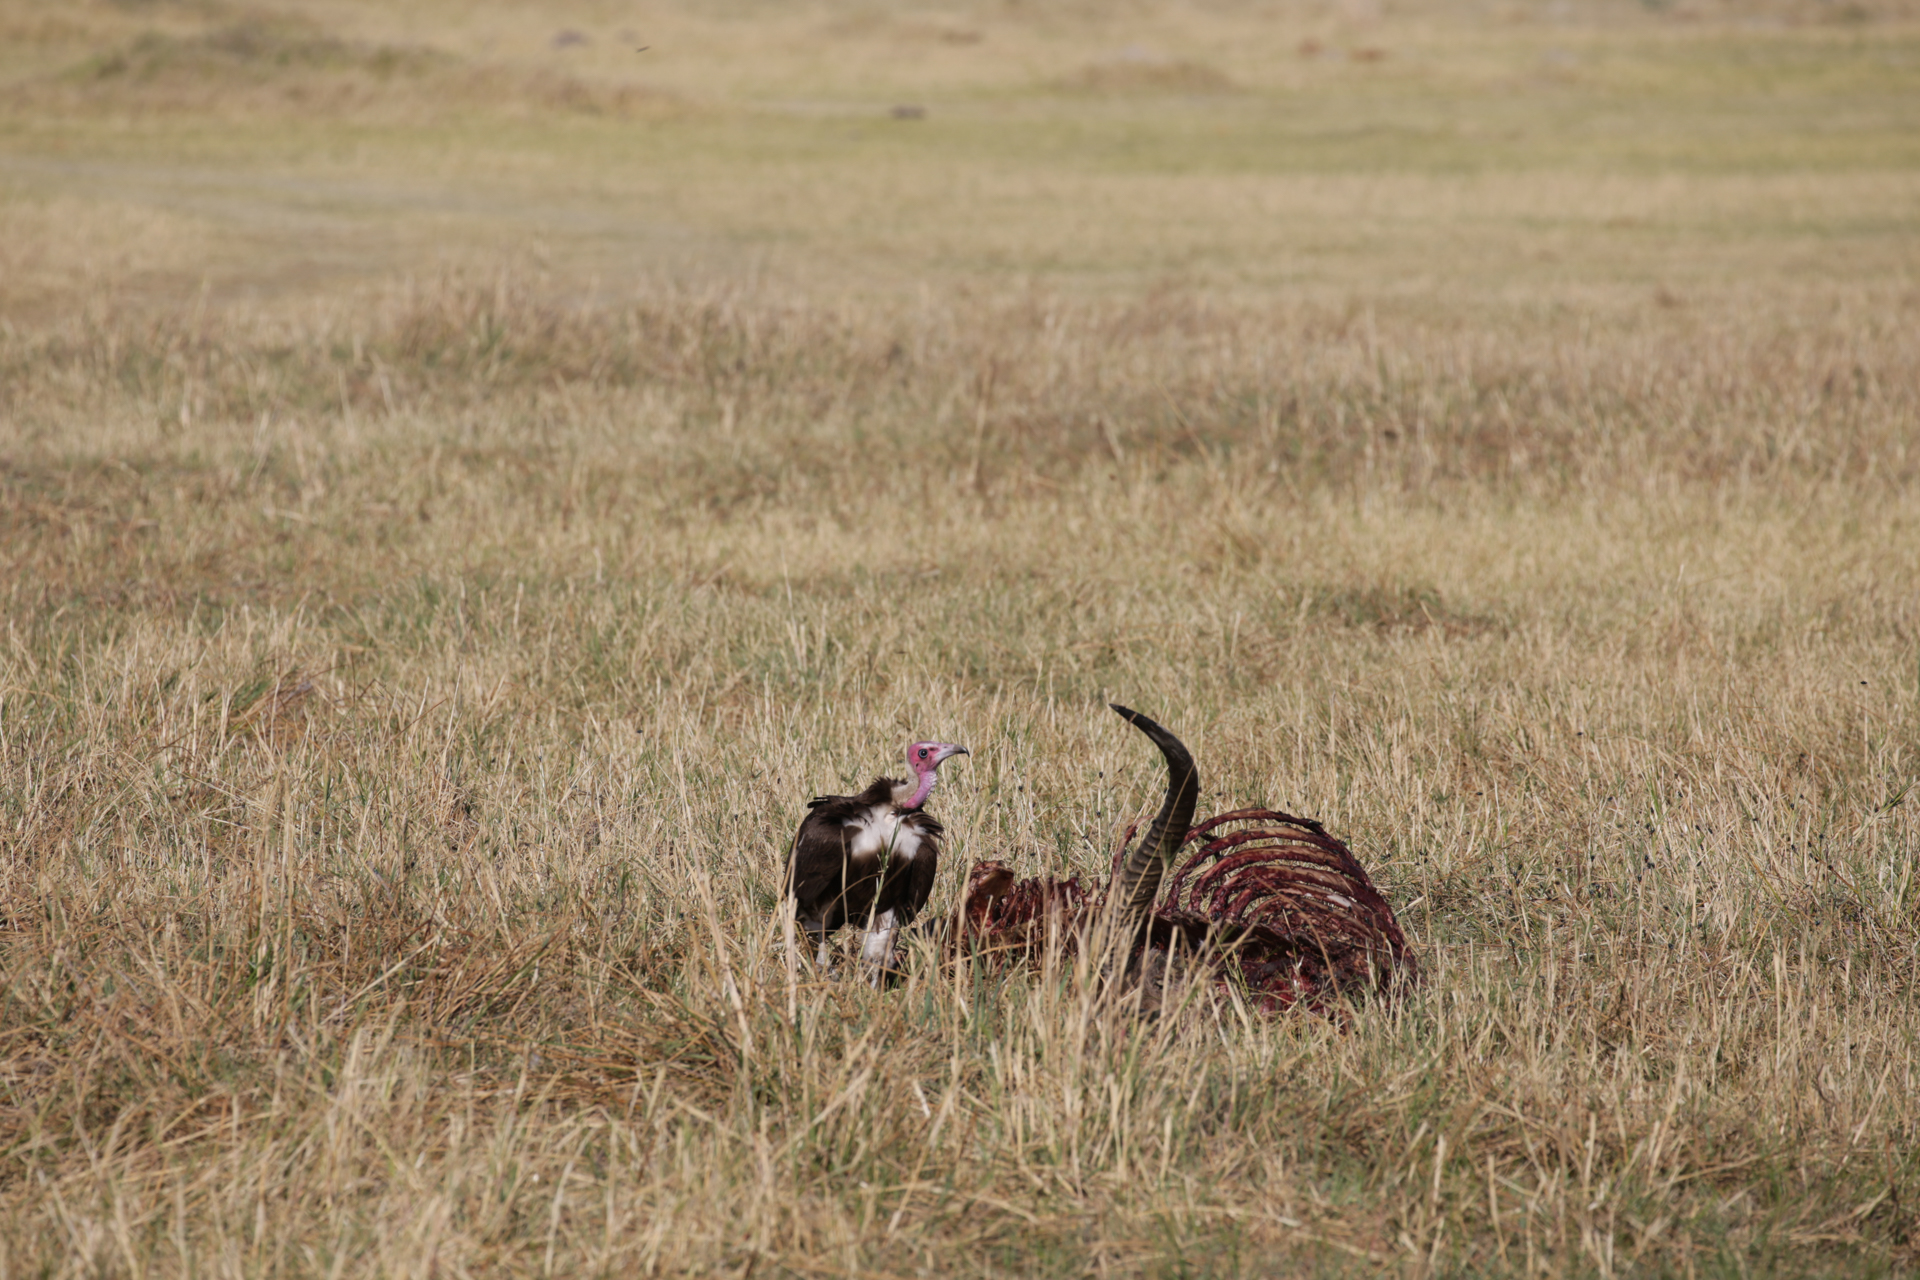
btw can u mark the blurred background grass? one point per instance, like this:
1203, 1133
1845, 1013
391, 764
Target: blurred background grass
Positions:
1449, 155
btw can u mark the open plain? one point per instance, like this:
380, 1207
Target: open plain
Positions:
470, 472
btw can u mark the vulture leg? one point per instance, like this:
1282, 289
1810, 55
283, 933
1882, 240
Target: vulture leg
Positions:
816, 928
877, 951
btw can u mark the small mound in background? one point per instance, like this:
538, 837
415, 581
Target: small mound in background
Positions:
1138, 70
284, 62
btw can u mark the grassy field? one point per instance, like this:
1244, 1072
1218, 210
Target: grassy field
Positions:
465, 483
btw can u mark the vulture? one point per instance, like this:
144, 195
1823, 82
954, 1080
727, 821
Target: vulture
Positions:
1267, 896
869, 859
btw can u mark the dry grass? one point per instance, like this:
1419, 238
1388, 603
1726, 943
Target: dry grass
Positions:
408, 687
402, 729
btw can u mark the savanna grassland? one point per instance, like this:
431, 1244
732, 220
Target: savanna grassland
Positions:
466, 481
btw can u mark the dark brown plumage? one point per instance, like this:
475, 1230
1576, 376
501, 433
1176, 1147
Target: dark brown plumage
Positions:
869, 859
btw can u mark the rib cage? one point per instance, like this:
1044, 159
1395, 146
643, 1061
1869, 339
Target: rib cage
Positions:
1291, 905
1269, 894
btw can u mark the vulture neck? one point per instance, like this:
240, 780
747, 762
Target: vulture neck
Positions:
908, 796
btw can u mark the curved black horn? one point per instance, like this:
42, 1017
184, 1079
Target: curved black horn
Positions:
1139, 879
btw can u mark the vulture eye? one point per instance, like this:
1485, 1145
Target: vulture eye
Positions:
923, 753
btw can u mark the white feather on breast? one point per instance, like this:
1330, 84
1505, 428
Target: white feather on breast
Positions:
880, 830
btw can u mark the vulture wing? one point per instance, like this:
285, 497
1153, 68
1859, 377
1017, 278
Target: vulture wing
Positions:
818, 867
817, 864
